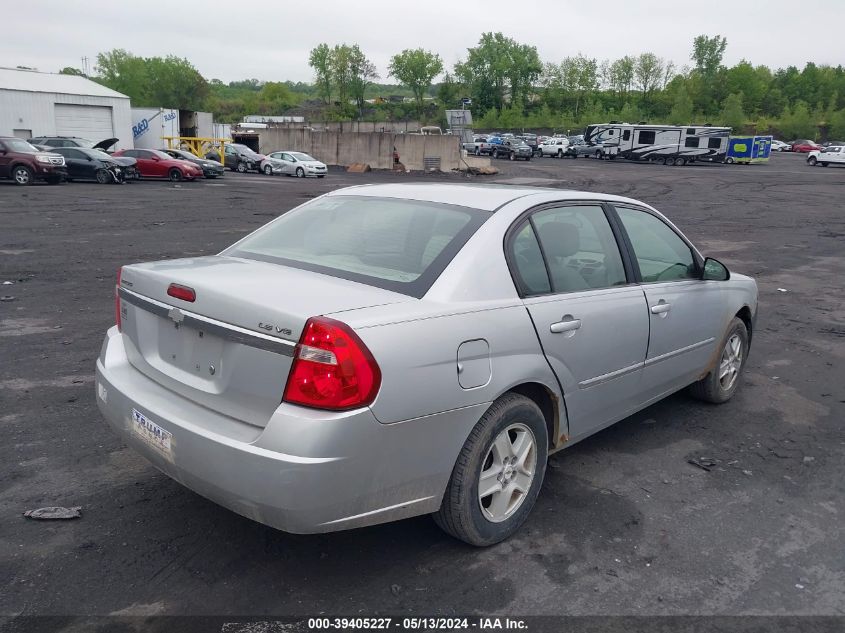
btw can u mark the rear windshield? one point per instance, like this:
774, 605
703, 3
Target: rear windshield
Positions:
399, 245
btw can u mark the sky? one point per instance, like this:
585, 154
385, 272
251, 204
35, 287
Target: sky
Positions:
270, 41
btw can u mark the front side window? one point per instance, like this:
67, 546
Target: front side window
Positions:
400, 245
691, 141
579, 247
660, 252
714, 143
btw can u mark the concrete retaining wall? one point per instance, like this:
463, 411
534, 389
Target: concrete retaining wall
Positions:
345, 148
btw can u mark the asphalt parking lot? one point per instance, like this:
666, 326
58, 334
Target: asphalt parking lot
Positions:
624, 525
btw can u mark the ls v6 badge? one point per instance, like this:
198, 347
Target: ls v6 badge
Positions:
270, 327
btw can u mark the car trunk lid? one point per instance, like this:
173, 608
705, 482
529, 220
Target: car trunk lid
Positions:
230, 349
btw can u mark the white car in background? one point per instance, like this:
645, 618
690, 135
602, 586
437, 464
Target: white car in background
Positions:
780, 146
830, 154
296, 164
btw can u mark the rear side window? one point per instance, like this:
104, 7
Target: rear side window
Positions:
714, 143
580, 248
531, 275
400, 245
691, 141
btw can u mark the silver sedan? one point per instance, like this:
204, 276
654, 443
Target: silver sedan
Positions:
296, 164
387, 351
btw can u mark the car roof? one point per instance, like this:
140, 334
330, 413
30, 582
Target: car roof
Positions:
484, 197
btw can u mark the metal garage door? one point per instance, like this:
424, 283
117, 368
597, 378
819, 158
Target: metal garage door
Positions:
91, 122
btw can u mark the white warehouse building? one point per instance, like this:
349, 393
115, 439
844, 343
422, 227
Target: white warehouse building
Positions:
45, 104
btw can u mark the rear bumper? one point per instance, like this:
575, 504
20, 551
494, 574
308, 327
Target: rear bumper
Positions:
307, 471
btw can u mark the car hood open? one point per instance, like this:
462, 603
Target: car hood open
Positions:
105, 144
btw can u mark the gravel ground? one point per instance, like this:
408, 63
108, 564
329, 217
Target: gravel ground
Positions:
624, 525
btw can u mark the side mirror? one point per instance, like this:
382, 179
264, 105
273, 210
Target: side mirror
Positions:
156, 158
714, 270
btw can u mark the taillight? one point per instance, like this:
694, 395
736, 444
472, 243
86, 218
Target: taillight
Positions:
117, 319
182, 292
332, 368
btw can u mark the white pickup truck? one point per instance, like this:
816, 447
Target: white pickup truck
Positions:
555, 146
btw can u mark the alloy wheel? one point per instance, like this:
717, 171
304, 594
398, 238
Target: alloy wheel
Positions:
731, 362
507, 472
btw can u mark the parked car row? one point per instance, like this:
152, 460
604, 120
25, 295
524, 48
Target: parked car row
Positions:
57, 159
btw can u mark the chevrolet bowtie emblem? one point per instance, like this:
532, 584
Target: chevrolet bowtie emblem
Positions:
176, 315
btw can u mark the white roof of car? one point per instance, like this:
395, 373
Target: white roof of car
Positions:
34, 81
484, 197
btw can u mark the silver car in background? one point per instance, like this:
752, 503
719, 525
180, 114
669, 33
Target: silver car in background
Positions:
296, 164
387, 351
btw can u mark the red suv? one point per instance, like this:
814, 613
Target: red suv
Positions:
153, 163
805, 146
25, 164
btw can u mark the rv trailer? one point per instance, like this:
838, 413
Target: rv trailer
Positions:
666, 144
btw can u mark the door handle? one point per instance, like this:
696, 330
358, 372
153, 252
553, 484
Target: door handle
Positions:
661, 308
568, 324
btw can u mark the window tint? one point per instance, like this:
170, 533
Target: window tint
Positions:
661, 254
626, 135
646, 137
691, 130
580, 249
528, 262
400, 245
714, 143
691, 141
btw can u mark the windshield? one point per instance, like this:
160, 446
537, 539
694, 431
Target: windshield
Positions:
18, 145
301, 156
400, 245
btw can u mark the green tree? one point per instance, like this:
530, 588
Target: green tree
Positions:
320, 60
70, 70
797, 122
732, 114
122, 71
175, 83
649, 74
499, 67
707, 53
416, 68
682, 108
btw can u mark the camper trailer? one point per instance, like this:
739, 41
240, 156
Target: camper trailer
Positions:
666, 144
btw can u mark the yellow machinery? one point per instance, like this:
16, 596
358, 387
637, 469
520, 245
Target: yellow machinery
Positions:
197, 145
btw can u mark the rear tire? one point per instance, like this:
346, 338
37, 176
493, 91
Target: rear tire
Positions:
268, 170
812, 161
721, 383
680, 162
513, 425
512, 156
729, 160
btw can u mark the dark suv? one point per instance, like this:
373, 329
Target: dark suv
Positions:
24, 163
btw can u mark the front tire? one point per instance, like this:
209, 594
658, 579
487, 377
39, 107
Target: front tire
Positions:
721, 383
498, 473
22, 175
242, 168
300, 173
175, 175
103, 177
